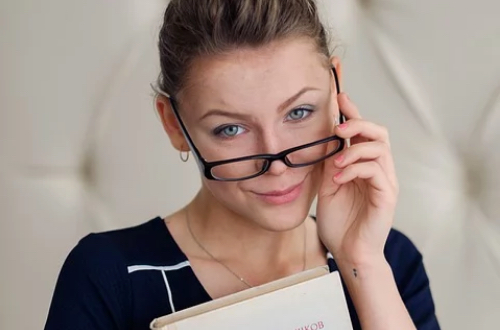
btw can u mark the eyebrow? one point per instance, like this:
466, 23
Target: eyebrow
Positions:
287, 103
294, 98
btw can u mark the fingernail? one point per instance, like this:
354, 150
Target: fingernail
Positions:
339, 159
343, 126
347, 96
337, 176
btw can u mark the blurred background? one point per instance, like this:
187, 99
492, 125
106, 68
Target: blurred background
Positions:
81, 149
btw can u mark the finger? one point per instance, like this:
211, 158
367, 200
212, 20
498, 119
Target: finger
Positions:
355, 128
364, 151
360, 131
369, 151
369, 171
347, 107
329, 170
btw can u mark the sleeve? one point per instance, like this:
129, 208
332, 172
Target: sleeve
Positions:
92, 291
412, 280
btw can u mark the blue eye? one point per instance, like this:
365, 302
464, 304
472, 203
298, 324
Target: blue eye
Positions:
229, 131
298, 114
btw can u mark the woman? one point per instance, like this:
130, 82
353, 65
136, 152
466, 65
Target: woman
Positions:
251, 89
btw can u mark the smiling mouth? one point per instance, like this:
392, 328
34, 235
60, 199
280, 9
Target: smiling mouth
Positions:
280, 192
278, 197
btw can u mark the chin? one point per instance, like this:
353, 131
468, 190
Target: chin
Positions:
284, 222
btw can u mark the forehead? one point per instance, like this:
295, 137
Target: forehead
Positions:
267, 73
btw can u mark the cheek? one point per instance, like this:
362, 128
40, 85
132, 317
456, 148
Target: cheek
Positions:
317, 176
227, 193
229, 196
321, 126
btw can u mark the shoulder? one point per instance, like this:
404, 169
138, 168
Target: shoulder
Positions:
399, 247
403, 256
95, 258
411, 279
147, 243
94, 288
107, 254
406, 262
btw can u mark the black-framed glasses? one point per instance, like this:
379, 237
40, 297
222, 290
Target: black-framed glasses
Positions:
248, 167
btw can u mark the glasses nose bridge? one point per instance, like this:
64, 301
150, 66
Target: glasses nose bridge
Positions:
281, 156
273, 165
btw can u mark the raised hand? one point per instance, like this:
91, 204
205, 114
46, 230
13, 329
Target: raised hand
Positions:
358, 195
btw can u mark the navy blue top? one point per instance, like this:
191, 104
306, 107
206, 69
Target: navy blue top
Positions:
124, 279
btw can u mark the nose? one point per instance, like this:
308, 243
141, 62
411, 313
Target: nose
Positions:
277, 168
272, 145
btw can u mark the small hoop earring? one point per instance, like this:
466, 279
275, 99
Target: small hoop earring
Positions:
184, 158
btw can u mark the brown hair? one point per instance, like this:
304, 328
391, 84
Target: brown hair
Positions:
193, 28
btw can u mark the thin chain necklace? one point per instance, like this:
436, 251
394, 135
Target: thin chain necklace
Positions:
226, 266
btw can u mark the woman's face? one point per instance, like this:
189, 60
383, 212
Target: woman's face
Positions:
255, 101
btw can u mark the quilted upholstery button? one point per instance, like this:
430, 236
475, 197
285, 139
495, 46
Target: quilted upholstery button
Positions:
474, 176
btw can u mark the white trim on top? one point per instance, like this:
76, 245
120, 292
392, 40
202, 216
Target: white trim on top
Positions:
169, 292
136, 268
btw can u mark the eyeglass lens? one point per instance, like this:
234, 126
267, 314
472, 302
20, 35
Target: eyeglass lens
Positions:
302, 157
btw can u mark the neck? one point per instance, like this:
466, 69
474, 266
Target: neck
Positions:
230, 237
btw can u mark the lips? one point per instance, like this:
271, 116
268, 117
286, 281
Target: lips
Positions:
279, 197
280, 192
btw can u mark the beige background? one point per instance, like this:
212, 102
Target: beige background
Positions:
81, 149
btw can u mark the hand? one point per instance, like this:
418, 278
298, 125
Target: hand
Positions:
358, 194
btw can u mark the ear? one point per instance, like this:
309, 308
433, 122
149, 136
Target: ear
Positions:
335, 62
170, 123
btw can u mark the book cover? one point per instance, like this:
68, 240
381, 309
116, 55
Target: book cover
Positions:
310, 300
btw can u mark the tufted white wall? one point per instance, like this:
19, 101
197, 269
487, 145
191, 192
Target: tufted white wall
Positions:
81, 148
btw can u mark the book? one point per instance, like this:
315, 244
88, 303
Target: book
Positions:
310, 300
